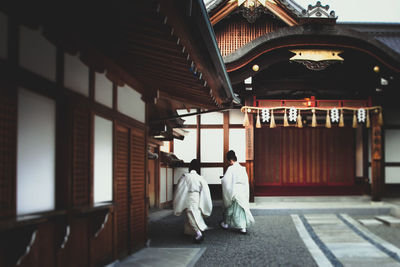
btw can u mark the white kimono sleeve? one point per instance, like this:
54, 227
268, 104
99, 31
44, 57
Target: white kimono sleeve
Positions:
227, 187
205, 199
180, 196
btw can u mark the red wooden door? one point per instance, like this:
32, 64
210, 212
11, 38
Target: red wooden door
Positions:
307, 156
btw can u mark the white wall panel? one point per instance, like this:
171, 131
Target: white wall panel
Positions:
212, 174
3, 35
76, 75
36, 153
392, 175
186, 149
37, 54
170, 181
235, 116
212, 145
392, 145
103, 90
237, 143
216, 118
131, 104
103, 160
163, 181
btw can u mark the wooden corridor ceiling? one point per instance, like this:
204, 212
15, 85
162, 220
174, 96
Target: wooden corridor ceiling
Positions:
159, 48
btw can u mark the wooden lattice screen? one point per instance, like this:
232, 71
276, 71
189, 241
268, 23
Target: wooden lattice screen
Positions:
138, 193
8, 133
121, 176
235, 32
80, 159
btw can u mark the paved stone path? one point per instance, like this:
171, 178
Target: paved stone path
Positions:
294, 236
339, 240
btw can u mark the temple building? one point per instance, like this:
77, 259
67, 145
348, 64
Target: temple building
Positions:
103, 107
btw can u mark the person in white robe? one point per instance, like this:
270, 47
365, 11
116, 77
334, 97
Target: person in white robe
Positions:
235, 194
192, 196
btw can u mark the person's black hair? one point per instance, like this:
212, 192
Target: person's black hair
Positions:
231, 155
194, 165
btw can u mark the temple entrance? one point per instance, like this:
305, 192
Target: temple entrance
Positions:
306, 161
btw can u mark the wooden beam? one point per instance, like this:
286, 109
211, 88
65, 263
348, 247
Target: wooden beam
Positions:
182, 99
223, 12
280, 13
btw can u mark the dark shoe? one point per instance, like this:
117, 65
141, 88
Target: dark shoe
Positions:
198, 240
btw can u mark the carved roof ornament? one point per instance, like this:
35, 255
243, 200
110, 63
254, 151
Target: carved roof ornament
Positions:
318, 11
316, 59
252, 9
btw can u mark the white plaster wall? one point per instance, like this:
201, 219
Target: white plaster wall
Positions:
131, 104
103, 90
3, 35
359, 152
186, 149
392, 175
76, 75
211, 145
392, 145
37, 54
235, 116
212, 174
237, 143
35, 153
163, 181
178, 173
170, 181
103, 148
216, 118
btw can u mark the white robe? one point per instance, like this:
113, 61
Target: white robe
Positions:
192, 193
235, 186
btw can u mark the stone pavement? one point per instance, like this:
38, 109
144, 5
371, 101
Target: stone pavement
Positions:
289, 231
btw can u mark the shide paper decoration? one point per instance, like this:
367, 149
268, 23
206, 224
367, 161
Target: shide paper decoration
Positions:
333, 115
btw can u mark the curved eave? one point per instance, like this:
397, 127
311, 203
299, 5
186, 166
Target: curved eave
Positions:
312, 36
190, 21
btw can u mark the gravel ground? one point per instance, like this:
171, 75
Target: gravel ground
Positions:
389, 233
272, 241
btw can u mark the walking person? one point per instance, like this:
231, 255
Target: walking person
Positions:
192, 196
235, 194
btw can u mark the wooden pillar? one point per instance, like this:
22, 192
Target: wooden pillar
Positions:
377, 181
250, 150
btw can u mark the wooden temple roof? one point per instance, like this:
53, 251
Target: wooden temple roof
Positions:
265, 34
286, 10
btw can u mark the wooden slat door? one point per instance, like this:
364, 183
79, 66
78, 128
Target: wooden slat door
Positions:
307, 156
138, 189
267, 156
121, 198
